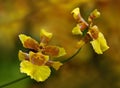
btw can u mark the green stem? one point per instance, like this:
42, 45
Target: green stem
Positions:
69, 58
12, 82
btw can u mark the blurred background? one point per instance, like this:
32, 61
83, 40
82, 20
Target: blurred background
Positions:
87, 69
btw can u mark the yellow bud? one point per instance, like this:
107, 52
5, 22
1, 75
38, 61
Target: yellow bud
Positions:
56, 65
62, 52
75, 13
45, 33
76, 30
96, 13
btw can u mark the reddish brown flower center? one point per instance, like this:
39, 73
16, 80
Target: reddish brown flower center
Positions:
37, 59
94, 33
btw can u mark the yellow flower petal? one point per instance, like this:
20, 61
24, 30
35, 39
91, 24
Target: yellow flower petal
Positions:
95, 13
56, 65
45, 33
62, 52
38, 58
28, 42
76, 30
103, 43
100, 44
22, 55
96, 46
45, 37
38, 73
75, 13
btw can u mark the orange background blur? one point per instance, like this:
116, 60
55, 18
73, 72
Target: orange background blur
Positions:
87, 69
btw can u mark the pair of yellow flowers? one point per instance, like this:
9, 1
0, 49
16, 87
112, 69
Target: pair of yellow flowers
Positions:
37, 62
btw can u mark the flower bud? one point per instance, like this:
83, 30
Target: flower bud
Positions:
75, 13
76, 30
95, 14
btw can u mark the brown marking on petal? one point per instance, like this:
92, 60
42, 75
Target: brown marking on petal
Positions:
49, 63
44, 40
83, 24
92, 17
27, 57
41, 47
51, 50
94, 33
31, 44
38, 59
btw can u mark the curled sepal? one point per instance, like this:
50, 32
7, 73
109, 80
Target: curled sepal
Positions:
99, 44
38, 73
28, 42
45, 36
23, 55
56, 65
76, 13
76, 30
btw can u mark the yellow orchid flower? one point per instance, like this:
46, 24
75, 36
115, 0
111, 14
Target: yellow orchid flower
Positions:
98, 41
99, 44
37, 64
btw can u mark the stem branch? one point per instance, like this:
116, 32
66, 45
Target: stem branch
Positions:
69, 58
12, 82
